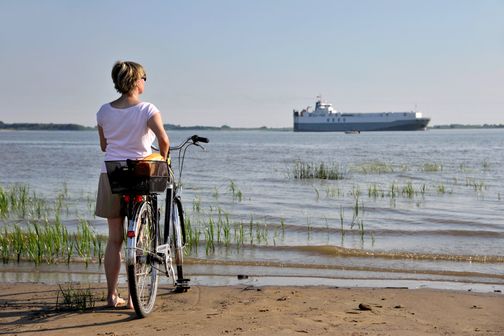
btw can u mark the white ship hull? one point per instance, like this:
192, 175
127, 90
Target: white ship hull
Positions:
325, 119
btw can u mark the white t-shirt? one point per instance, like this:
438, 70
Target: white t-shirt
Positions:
126, 131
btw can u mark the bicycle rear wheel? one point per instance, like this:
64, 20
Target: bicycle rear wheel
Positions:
141, 262
177, 242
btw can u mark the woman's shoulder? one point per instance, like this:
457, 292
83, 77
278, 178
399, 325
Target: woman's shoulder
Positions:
148, 108
147, 105
103, 109
105, 106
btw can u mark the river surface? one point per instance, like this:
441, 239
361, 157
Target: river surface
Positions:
410, 206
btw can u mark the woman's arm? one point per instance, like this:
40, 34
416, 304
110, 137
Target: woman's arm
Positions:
103, 141
156, 125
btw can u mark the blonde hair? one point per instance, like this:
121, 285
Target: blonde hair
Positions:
125, 74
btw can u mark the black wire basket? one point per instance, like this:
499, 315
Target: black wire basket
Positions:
140, 177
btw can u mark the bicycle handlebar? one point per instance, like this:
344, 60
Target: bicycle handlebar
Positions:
195, 138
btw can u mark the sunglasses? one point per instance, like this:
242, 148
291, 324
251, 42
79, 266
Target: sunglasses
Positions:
144, 77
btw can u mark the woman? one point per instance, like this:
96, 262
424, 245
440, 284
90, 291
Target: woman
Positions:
127, 128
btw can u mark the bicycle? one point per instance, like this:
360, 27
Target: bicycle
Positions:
148, 250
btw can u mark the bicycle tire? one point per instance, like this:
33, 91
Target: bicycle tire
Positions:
177, 237
141, 268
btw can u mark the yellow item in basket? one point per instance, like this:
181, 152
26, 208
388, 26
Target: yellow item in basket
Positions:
157, 157
154, 157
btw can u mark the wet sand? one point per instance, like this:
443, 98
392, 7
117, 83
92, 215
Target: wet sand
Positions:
30, 309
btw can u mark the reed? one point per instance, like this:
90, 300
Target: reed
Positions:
361, 229
333, 192
235, 192
50, 242
215, 193
355, 214
423, 190
374, 191
227, 230
4, 204
324, 171
475, 184
219, 224
393, 191
251, 230
486, 165
341, 217
431, 167
34, 244
408, 190
376, 167
239, 234
18, 242
17, 202
265, 233
84, 240
309, 227
192, 235
209, 237
196, 205
5, 246
355, 192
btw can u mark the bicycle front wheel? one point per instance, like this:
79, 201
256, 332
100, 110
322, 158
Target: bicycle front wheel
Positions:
177, 240
141, 261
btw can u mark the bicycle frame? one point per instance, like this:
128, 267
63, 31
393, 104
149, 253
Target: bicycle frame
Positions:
172, 195
146, 250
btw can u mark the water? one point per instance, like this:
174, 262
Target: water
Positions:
449, 229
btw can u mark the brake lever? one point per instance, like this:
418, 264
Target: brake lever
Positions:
200, 146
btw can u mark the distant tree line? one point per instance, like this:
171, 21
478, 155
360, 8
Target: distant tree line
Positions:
178, 127
76, 127
43, 127
451, 126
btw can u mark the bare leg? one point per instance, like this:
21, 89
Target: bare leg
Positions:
113, 258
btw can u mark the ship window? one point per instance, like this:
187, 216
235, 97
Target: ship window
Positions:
332, 119
338, 119
344, 119
328, 119
405, 114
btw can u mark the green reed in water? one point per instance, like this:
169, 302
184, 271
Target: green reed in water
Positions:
324, 171
16, 201
376, 167
235, 191
431, 167
50, 242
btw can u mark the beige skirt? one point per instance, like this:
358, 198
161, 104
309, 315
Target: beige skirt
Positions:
108, 205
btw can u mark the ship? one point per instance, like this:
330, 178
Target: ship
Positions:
325, 118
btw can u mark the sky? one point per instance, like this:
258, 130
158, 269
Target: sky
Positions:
248, 63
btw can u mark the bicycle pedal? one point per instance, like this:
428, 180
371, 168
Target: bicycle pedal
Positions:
182, 285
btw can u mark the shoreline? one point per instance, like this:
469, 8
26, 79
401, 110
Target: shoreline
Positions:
30, 308
218, 274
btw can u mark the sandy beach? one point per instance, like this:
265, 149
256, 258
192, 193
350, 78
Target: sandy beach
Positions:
30, 309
